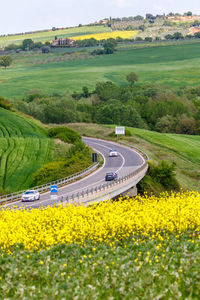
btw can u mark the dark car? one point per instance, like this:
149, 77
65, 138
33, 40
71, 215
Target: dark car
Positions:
111, 176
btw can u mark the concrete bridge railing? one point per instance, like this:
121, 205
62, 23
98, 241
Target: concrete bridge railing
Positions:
107, 190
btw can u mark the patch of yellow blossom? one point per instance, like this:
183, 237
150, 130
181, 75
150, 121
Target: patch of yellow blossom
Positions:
107, 35
108, 221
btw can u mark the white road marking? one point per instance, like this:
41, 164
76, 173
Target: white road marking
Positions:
100, 181
90, 185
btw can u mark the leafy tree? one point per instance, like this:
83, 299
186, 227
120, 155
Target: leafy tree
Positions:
166, 124
85, 92
5, 60
45, 49
178, 36
109, 47
11, 47
188, 13
150, 17
132, 78
116, 113
186, 126
138, 18
98, 52
27, 44
54, 28
138, 39
197, 35
148, 39
107, 90
196, 23
169, 37
189, 36
141, 27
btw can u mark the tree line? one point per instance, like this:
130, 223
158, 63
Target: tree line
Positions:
149, 106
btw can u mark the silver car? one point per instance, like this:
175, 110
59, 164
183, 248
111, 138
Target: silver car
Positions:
30, 195
113, 153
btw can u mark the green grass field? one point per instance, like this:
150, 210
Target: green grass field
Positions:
183, 150
49, 35
173, 65
24, 148
149, 270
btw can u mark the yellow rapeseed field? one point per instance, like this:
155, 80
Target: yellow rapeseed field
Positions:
108, 221
107, 35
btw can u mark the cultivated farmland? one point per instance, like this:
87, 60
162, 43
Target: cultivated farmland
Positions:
49, 35
174, 64
24, 148
107, 35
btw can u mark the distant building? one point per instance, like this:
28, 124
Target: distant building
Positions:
104, 21
63, 42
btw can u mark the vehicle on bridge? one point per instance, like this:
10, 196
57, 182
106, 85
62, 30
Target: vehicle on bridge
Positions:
113, 153
111, 176
30, 195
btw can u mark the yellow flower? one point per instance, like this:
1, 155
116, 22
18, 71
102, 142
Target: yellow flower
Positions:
107, 35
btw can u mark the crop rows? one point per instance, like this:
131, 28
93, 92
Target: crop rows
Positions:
20, 158
24, 148
59, 59
14, 125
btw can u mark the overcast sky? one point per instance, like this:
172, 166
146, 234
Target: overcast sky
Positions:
26, 15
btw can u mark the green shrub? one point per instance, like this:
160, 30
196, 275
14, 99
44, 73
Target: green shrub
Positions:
65, 134
127, 132
79, 160
4, 103
159, 178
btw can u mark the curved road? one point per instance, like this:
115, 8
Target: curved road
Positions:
126, 162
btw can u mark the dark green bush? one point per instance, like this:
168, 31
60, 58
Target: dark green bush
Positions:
127, 132
65, 134
78, 158
159, 178
4, 103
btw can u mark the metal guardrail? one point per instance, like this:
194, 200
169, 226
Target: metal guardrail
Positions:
83, 193
76, 197
89, 195
46, 187
146, 157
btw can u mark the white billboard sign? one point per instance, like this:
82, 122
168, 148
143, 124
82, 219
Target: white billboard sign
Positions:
119, 130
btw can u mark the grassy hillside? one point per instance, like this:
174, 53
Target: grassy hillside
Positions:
49, 35
180, 149
174, 65
24, 148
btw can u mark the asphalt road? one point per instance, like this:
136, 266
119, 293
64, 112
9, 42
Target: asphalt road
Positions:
126, 162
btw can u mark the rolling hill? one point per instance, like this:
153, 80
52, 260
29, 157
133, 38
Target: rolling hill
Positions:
24, 148
173, 64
